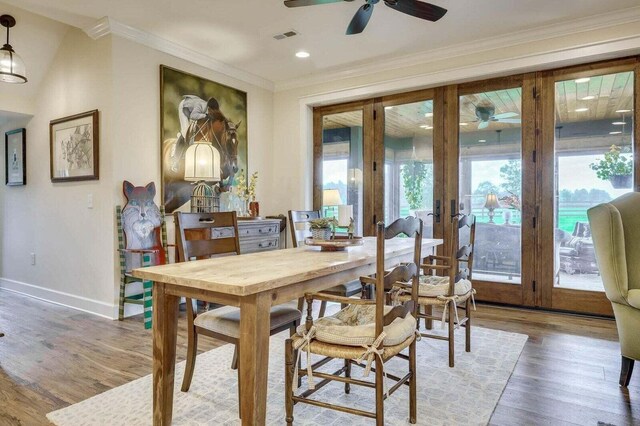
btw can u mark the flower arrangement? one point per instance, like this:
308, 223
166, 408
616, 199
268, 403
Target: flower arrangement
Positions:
240, 188
252, 186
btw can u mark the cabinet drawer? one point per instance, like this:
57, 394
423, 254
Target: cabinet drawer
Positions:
259, 244
258, 230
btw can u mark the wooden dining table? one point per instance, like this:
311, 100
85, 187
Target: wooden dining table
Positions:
254, 283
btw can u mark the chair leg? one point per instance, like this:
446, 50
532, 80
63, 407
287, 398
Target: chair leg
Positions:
428, 323
379, 393
234, 360
192, 351
121, 300
467, 330
147, 303
452, 316
288, 385
626, 370
347, 373
413, 385
323, 308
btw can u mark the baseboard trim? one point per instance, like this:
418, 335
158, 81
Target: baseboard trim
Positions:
68, 300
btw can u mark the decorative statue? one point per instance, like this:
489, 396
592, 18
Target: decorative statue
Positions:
351, 229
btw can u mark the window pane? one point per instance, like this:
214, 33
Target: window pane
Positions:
408, 168
490, 180
593, 164
342, 168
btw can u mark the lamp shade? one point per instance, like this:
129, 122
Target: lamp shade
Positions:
12, 69
331, 197
491, 202
345, 213
202, 162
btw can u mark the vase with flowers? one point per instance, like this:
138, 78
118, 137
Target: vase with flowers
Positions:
322, 228
254, 206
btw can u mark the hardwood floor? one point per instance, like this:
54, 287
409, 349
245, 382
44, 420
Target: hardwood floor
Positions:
53, 356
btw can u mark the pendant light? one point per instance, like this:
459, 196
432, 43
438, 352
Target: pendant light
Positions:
12, 69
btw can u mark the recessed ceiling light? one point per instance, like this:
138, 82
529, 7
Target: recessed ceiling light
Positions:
618, 123
615, 133
464, 124
582, 80
588, 98
582, 109
428, 114
425, 126
623, 110
302, 54
388, 107
482, 140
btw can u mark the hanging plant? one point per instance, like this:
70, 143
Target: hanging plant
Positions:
414, 175
615, 167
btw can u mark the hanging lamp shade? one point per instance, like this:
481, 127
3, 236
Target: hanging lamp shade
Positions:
202, 162
12, 68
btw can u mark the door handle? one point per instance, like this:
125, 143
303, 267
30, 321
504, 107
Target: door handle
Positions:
436, 214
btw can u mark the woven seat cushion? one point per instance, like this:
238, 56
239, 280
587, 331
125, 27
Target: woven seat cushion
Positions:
226, 320
347, 289
355, 326
352, 352
433, 286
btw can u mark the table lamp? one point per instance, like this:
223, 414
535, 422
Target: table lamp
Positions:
491, 203
202, 164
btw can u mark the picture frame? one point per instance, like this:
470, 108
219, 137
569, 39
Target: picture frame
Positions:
15, 164
196, 109
74, 147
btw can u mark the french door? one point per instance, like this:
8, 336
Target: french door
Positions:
587, 119
491, 174
528, 155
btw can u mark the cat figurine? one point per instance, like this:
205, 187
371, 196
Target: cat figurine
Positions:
141, 220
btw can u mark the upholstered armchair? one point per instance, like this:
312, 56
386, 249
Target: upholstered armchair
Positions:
615, 229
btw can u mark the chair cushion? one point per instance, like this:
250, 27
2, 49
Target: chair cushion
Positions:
347, 289
355, 326
633, 297
434, 286
226, 320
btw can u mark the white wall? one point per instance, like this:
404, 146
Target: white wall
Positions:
290, 181
75, 246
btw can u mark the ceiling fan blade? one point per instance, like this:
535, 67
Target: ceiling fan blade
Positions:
483, 125
506, 115
298, 3
416, 8
509, 120
360, 19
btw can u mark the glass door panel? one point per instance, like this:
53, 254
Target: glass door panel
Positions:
490, 180
342, 177
408, 162
593, 163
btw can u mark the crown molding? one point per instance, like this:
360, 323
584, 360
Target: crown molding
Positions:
560, 29
106, 26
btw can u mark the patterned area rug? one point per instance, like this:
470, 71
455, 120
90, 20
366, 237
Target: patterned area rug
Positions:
464, 395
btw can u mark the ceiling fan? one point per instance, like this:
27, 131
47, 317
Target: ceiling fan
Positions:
360, 20
487, 113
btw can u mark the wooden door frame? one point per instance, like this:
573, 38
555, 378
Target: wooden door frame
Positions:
492, 291
366, 106
550, 297
435, 95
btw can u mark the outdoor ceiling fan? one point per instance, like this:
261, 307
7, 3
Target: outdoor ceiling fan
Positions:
360, 20
486, 113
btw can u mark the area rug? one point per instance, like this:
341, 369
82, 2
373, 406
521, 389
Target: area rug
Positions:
464, 395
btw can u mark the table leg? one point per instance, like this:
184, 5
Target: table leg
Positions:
165, 327
254, 357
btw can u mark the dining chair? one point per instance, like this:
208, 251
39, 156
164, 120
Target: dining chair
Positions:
452, 291
201, 236
615, 229
364, 332
299, 224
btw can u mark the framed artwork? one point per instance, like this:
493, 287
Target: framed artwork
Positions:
194, 109
74, 147
15, 164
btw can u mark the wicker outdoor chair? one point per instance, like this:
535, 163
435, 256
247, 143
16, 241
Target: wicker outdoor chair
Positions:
364, 332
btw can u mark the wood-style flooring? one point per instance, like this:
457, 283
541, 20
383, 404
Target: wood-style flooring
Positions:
52, 356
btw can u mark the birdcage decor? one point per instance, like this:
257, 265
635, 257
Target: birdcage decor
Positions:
204, 199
